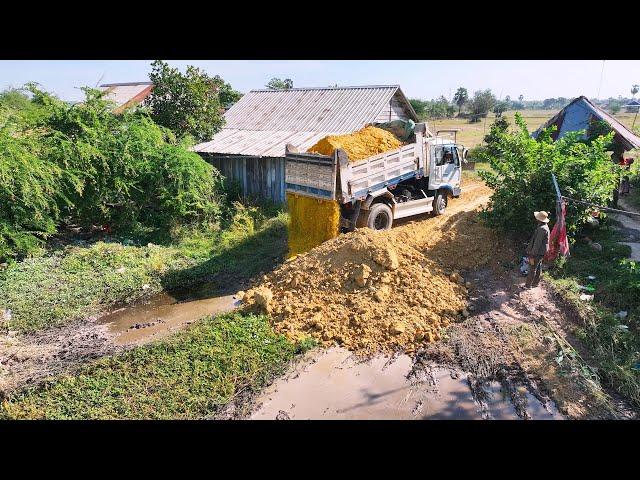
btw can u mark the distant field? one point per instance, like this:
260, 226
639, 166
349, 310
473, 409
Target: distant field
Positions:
471, 134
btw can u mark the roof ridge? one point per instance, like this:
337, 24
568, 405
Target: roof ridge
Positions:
348, 87
125, 84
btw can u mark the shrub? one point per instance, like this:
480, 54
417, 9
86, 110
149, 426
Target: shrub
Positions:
85, 165
30, 196
521, 176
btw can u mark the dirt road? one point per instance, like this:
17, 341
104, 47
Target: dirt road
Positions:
510, 358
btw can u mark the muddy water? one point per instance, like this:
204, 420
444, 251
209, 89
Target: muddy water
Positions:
163, 314
332, 384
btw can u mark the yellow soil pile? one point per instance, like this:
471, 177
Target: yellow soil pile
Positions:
383, 290
459, 239
358, 145
363, 290
311, 222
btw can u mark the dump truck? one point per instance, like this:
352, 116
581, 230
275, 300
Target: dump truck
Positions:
414, 179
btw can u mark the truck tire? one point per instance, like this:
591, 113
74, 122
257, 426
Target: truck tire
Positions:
380, 217
440, 203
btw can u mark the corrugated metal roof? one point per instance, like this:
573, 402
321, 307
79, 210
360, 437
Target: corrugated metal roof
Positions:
575, 117
126, 94
338, 109
259, 143
262, 122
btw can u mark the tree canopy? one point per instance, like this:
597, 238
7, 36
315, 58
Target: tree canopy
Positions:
279, 84
189, 104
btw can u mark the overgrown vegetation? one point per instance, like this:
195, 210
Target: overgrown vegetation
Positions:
79, 281
81, 164
521, 169
614, 341
194, 374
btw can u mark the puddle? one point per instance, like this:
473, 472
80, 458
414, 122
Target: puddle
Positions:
164, 314
332, 384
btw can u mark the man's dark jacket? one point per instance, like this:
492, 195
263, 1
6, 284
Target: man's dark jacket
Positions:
539, 243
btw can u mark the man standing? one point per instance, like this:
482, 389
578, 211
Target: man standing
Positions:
537, 248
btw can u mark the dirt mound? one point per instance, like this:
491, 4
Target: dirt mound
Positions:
358, 145
383, 290
364, 291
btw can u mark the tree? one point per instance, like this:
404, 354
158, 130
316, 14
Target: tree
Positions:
500, 107
432, 109
520, 176
188, 104
460, 98
521, 98
634, 90
615, 106
483, 101
420, 107
278, 84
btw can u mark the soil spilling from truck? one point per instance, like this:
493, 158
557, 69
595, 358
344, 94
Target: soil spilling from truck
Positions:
359, 145
313, 221
381, 291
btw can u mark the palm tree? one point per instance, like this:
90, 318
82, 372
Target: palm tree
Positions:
460, 98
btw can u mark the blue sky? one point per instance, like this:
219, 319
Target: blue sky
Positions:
425, 79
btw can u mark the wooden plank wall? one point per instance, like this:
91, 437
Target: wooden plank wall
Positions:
394, 110
259, 178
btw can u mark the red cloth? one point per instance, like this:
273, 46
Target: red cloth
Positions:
558, 242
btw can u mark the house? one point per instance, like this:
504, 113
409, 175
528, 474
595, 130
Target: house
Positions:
126, 95
580, 114
632, 107
250, 148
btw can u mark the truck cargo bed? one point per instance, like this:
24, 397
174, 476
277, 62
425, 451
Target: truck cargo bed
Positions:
336, 178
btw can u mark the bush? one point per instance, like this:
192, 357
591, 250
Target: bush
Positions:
521, 176
30, 195
85, 165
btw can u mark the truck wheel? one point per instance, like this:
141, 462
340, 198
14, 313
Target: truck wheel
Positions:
440, 203
380, 217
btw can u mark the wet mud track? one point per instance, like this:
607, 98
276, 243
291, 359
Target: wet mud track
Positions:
26, 360
499, 363
333, 384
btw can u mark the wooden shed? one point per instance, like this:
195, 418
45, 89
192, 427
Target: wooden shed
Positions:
251, 147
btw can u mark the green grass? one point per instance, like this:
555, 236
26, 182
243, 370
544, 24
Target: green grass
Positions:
613, 342
194, 374
77, 282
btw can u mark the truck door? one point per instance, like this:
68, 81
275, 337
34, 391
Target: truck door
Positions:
453, 166
447, 165
437, 167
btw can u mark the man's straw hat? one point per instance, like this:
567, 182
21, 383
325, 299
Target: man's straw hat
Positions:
541, 216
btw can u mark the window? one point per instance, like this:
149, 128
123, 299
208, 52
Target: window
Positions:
449, 156
438, 152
